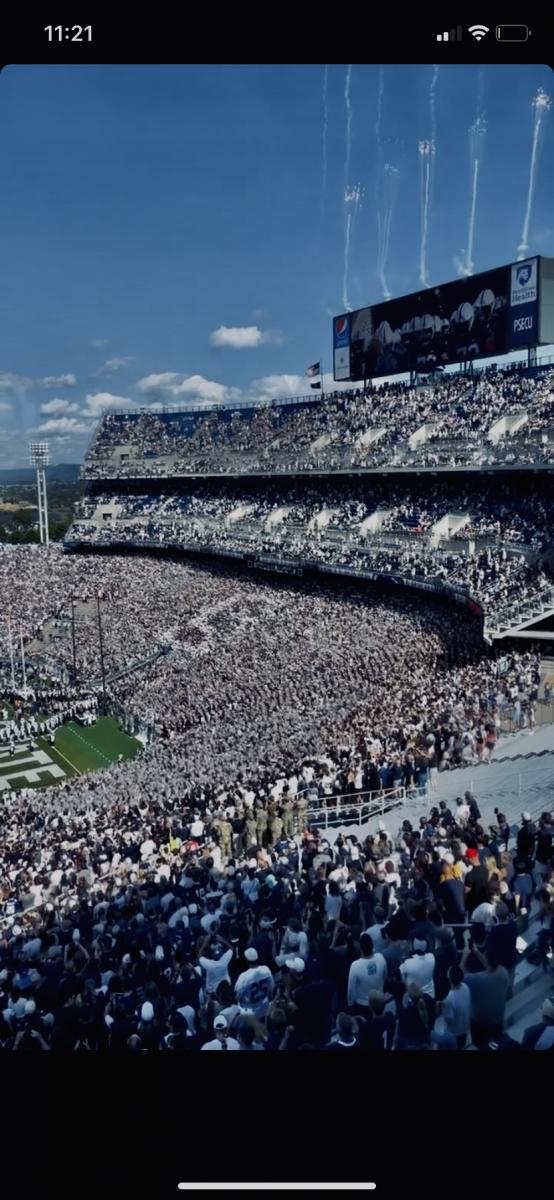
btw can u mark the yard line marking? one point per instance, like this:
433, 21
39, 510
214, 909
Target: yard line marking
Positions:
67, 760
89, 745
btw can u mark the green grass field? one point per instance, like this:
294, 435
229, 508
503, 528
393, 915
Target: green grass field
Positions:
88, 747
77, 749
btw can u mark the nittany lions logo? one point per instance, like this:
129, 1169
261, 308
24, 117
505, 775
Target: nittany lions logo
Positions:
524, 274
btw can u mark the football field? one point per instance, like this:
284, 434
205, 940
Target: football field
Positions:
77, 749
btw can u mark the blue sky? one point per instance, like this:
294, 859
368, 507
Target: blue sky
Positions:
166, 235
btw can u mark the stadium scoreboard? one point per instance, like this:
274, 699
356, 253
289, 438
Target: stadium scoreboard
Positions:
480, 316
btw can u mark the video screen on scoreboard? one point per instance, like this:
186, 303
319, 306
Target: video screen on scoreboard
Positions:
457, 321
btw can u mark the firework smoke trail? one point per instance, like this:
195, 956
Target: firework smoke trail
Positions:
390, 177
541, 104
432, 106
469, 265
348, 123
427, 151
347, 198
380, 91
476, 146
385, 192
380, 207
324, 138
480, 94
345, 301
353, 197
425, 156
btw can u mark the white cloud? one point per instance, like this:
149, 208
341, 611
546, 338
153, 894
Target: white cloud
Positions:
66, 425
59, 381
195, 387
9, 382
5, 406
99, 343
274, 386
154, 383
58, 406
244, 337
172, 388
114, 364
205, 389
98, 402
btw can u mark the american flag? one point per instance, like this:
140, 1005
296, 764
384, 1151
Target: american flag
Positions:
315, 369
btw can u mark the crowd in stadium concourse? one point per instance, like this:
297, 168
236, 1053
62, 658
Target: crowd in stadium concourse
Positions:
329, 433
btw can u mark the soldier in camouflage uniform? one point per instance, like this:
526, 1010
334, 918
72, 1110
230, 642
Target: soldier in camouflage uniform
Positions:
226, 838
261, 826
251, 831
275, 828
215, 828
302, 810
288, 818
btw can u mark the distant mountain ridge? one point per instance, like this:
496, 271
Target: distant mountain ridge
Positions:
63, 473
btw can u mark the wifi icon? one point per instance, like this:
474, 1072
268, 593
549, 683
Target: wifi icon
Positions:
478, 31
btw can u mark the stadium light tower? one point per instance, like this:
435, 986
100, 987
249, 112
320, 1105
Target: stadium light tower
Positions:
39, 454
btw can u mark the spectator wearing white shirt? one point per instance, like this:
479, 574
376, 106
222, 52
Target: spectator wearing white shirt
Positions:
456, 1008
254, 987
367, 974
215, 968
376, 931
197, 828
181, 914
419, 968
462, 812
222, 1041
485, 914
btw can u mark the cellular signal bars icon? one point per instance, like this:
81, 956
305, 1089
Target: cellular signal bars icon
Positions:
454, 35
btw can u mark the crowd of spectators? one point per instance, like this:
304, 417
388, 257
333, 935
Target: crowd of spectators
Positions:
329, 433
257, 675
138, 925
330, 526
180, 900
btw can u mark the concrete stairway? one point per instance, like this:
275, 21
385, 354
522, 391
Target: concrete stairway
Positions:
531, 986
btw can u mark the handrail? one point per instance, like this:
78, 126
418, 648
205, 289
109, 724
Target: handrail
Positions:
377, 802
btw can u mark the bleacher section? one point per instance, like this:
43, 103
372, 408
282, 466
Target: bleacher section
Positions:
498, 420
491, 544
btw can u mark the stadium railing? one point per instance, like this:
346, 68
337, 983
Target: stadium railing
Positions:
350, 809
544, 715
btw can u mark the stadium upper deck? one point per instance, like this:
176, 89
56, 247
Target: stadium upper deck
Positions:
499, 419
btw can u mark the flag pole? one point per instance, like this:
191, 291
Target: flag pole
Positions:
321, 375
11, 653
23, 664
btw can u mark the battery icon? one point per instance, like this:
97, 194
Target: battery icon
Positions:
512, 33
